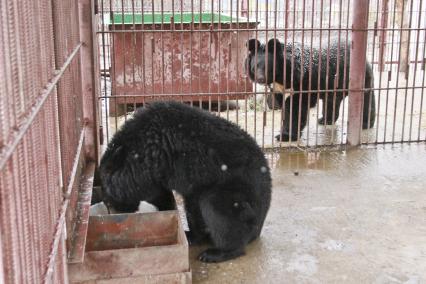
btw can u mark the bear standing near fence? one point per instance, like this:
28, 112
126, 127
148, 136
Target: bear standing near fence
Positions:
302, 69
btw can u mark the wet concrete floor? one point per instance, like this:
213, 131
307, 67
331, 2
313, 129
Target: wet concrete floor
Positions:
356, 216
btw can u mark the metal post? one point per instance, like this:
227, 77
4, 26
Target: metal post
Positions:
91, 142
383, 33
357, 70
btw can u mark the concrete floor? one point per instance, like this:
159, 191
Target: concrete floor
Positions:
357, 216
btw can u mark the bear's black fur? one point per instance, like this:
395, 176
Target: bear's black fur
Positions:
301, 74
218, 168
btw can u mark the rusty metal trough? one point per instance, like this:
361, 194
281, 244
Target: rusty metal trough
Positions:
137, 247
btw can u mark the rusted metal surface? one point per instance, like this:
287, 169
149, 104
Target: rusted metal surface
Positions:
77, 245
40, 132
120, 231
168, 278
178, 62
88, 83
68, 198
133, 245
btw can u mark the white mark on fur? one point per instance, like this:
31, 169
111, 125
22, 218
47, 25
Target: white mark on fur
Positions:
136, 156
263, 169
224, 167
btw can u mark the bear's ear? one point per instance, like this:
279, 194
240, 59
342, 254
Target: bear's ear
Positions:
274, 42
251, 45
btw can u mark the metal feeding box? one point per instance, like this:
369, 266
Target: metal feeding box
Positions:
189, 56
138, 247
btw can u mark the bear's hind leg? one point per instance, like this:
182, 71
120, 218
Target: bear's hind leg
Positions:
231, 225
197, 233
369, 110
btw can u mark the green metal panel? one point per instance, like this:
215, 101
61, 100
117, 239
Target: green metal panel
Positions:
165, 18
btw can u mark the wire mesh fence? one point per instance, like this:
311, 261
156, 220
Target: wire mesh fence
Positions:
41, 137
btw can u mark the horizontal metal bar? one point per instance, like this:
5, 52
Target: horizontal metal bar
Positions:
394, 142
64, 206
421, 61
254, 29
253, 93
294, 147
7, 151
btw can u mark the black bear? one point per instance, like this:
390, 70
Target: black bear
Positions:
301, 74
219, 170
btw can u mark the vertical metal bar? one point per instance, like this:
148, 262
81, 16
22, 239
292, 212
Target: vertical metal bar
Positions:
345, 66
415, 66
357, 70
266, 76
327, 72
91, 141
191, 30
403, 40
292, 72
390, 71
228, 65
200, 55
123, 48
103, 71
318, 87
406, 69
133, 39
113, 53
162, 43
181, 47
337, 76
255, 71
237, 15
247, 81
111, 56
383, 34
153, 49
218, 43
371, 98
382, 49
422, 84
143, 60
283, 108
310, 72
210, 53
302, 73
274, 75
398, 72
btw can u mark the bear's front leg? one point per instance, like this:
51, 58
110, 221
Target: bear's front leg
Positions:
296, 108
